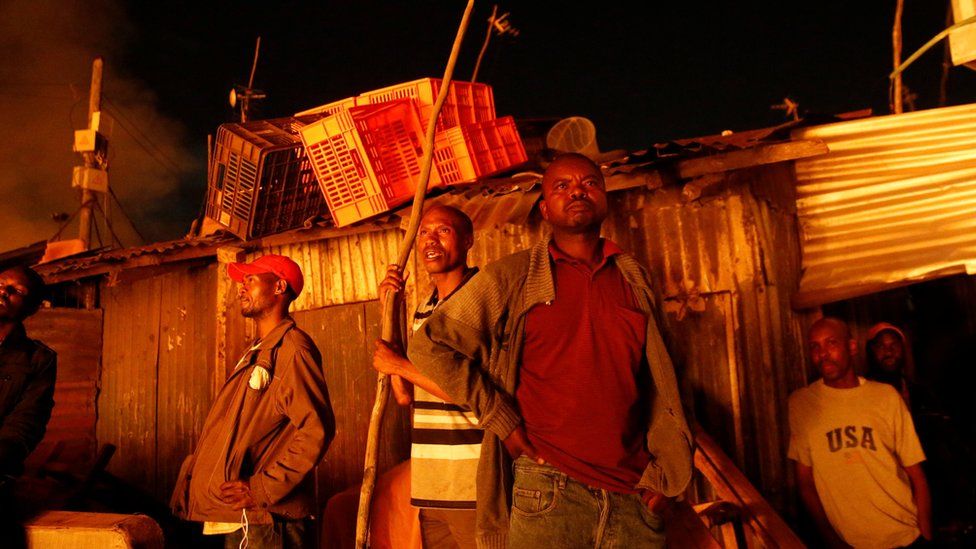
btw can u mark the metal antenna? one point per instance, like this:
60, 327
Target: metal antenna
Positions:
246, 93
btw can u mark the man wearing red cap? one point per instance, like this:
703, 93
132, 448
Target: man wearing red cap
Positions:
269, 426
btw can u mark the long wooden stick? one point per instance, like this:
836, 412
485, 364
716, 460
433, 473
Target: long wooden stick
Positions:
406, 246
896, 93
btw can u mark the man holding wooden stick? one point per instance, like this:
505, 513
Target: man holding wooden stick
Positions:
446, 439
556, 351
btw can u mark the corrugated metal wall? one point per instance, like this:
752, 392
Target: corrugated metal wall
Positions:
724, 270
340, 270
76, 335
158, 359
893, 201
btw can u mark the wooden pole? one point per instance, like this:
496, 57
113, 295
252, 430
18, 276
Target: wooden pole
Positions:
896, 93
484, 46
87, 196
406, 246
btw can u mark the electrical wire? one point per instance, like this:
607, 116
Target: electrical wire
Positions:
111, 192
141, 139
108, 224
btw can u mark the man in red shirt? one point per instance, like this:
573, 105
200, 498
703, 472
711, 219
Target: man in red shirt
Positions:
557, 352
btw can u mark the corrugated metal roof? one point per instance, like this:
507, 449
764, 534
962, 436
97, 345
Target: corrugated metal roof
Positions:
124, 255
894, 201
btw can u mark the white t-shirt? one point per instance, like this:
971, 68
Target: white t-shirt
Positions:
858, 442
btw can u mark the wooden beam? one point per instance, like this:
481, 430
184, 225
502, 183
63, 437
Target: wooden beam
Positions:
685, 529
747, 158
731, 485
150, 259
648, 179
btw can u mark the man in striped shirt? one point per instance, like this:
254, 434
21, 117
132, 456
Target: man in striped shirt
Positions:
446, 440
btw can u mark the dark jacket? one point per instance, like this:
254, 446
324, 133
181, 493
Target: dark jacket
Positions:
272, 436
471, 347
28, 369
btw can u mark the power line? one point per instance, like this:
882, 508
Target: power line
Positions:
111, 192
141, 139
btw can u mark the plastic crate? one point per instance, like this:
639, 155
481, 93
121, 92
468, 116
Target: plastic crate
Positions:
484, 102
465, 103
260, 179
330, 108
367, 159
502, 132
467, 153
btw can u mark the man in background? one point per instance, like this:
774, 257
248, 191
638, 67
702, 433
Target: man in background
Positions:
856, 455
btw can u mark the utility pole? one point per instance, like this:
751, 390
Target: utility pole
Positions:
92, 178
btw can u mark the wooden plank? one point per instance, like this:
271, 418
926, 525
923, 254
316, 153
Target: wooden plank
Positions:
731, 485
685, 529
746, 158
127, 401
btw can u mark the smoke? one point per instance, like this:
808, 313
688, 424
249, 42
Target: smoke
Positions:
46, 53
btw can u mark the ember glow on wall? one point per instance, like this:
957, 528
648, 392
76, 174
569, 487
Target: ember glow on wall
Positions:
893, 202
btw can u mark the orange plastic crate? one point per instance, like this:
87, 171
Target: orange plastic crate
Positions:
465, 103
330, 108
424, 92
467, 153
484, 102
504, 130
260, 179
367, 159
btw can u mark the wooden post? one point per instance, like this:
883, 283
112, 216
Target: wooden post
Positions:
88, 196
406, 246
896, 93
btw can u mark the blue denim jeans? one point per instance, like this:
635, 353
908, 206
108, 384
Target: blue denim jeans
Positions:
283, 534
549, 509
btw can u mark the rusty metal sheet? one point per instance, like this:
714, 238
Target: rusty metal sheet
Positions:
344, 334
893, 202
345, 269
76, 335
127, 400
187, 316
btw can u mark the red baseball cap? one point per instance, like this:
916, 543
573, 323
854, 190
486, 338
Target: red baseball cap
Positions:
279, 265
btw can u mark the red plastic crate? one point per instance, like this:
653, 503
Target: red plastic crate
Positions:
463, 93
367, 159
260, 180
465, 103
424, 92
467, 153
484, 102
505, 130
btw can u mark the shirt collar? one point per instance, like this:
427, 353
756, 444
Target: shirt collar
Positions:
608, 249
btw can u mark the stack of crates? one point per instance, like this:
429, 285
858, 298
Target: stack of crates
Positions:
367, 159
366, 153
260, 179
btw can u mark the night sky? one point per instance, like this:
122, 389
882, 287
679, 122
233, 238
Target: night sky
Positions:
642, 73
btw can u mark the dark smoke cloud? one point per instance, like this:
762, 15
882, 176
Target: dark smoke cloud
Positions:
46, 52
